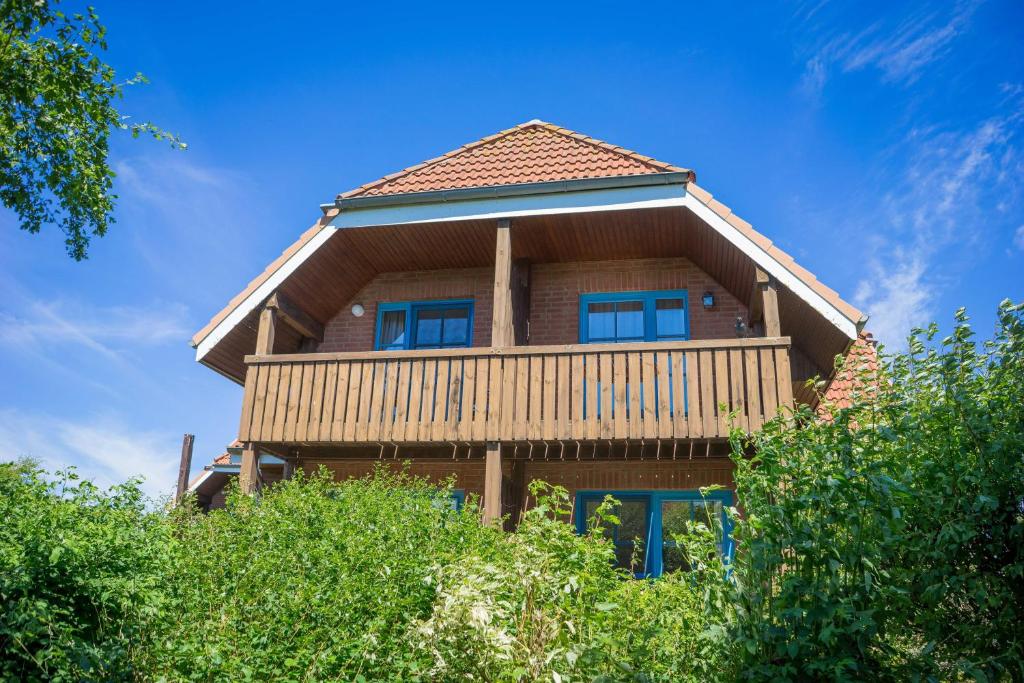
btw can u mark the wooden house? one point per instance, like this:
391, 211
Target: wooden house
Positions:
534, 305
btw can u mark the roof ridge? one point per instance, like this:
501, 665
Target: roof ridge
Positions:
658, 166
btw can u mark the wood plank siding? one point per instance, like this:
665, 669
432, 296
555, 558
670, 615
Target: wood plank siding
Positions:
663, 390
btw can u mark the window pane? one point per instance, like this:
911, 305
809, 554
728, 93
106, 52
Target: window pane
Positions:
629, 320
601, 321
675, 521
456, 327
428, 328
631, 535
392, 329
670, 317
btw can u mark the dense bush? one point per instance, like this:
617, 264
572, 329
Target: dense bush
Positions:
884, 543
79, 571
888, 542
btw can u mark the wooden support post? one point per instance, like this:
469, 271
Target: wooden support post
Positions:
502, 332
492, 483
289, 468
520, 294
249, 476
764, 303
290, 313
266, 331
185, 466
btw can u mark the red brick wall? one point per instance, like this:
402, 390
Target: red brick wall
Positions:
556, 289
554, 298
345, 332
619, 475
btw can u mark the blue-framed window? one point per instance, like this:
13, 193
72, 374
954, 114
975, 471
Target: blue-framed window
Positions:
610, 317
650, 522
424, 325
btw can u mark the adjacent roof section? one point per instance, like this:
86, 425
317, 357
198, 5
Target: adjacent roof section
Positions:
532, 152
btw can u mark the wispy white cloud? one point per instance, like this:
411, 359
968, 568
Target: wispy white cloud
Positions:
103, 449
899, 53
1018, 238
943, 205
99, 328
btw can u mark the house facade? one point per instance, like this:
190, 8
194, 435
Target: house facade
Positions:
534, 305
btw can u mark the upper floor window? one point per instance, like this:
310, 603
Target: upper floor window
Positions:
633, 316
424, 325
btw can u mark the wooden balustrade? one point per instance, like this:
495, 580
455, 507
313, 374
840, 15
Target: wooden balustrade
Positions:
664, 390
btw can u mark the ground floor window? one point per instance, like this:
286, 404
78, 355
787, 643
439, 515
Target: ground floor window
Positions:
650, 522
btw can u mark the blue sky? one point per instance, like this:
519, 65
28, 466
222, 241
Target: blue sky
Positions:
881, 147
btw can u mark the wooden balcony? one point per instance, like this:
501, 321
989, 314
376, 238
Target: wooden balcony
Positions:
664, 390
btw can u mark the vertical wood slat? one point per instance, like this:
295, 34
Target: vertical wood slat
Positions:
330, 388
564, 399
680, 428
722, 391
633, 380
576, 410
620, 428
248, 398
521, 400
563, 395
694, 420
754, 420
548, 413
591, 396
441, 392
663, 388
768, 388
783, 378
500, 394
355, 379
536, 388
390, 397
736, 394
707, 393
340, 401
412, 415
607, 382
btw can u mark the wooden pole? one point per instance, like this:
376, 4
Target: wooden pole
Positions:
266, 331
502, 332
249, 475
492, 483
185, 466
765, 303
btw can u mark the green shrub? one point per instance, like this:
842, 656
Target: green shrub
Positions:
888, 542
79, 571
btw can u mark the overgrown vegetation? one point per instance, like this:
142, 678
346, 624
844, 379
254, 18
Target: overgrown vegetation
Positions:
884, 544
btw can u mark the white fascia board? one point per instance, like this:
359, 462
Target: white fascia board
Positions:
772, 266
613, 199
262, 292
194, 486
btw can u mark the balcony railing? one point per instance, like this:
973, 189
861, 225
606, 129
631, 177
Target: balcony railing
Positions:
664, 390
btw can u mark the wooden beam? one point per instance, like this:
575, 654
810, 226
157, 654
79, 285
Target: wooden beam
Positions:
492, 483
764, 303
520, 293
185, 466
502, 332
249, 476
266, 332
302, 322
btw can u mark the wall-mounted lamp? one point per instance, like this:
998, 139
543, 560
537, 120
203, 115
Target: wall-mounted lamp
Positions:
358, 310
708, 299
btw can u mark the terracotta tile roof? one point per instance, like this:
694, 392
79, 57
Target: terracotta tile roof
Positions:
807, 277
531, 152
856, 376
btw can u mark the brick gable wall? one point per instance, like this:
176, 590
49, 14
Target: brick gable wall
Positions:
554, 298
